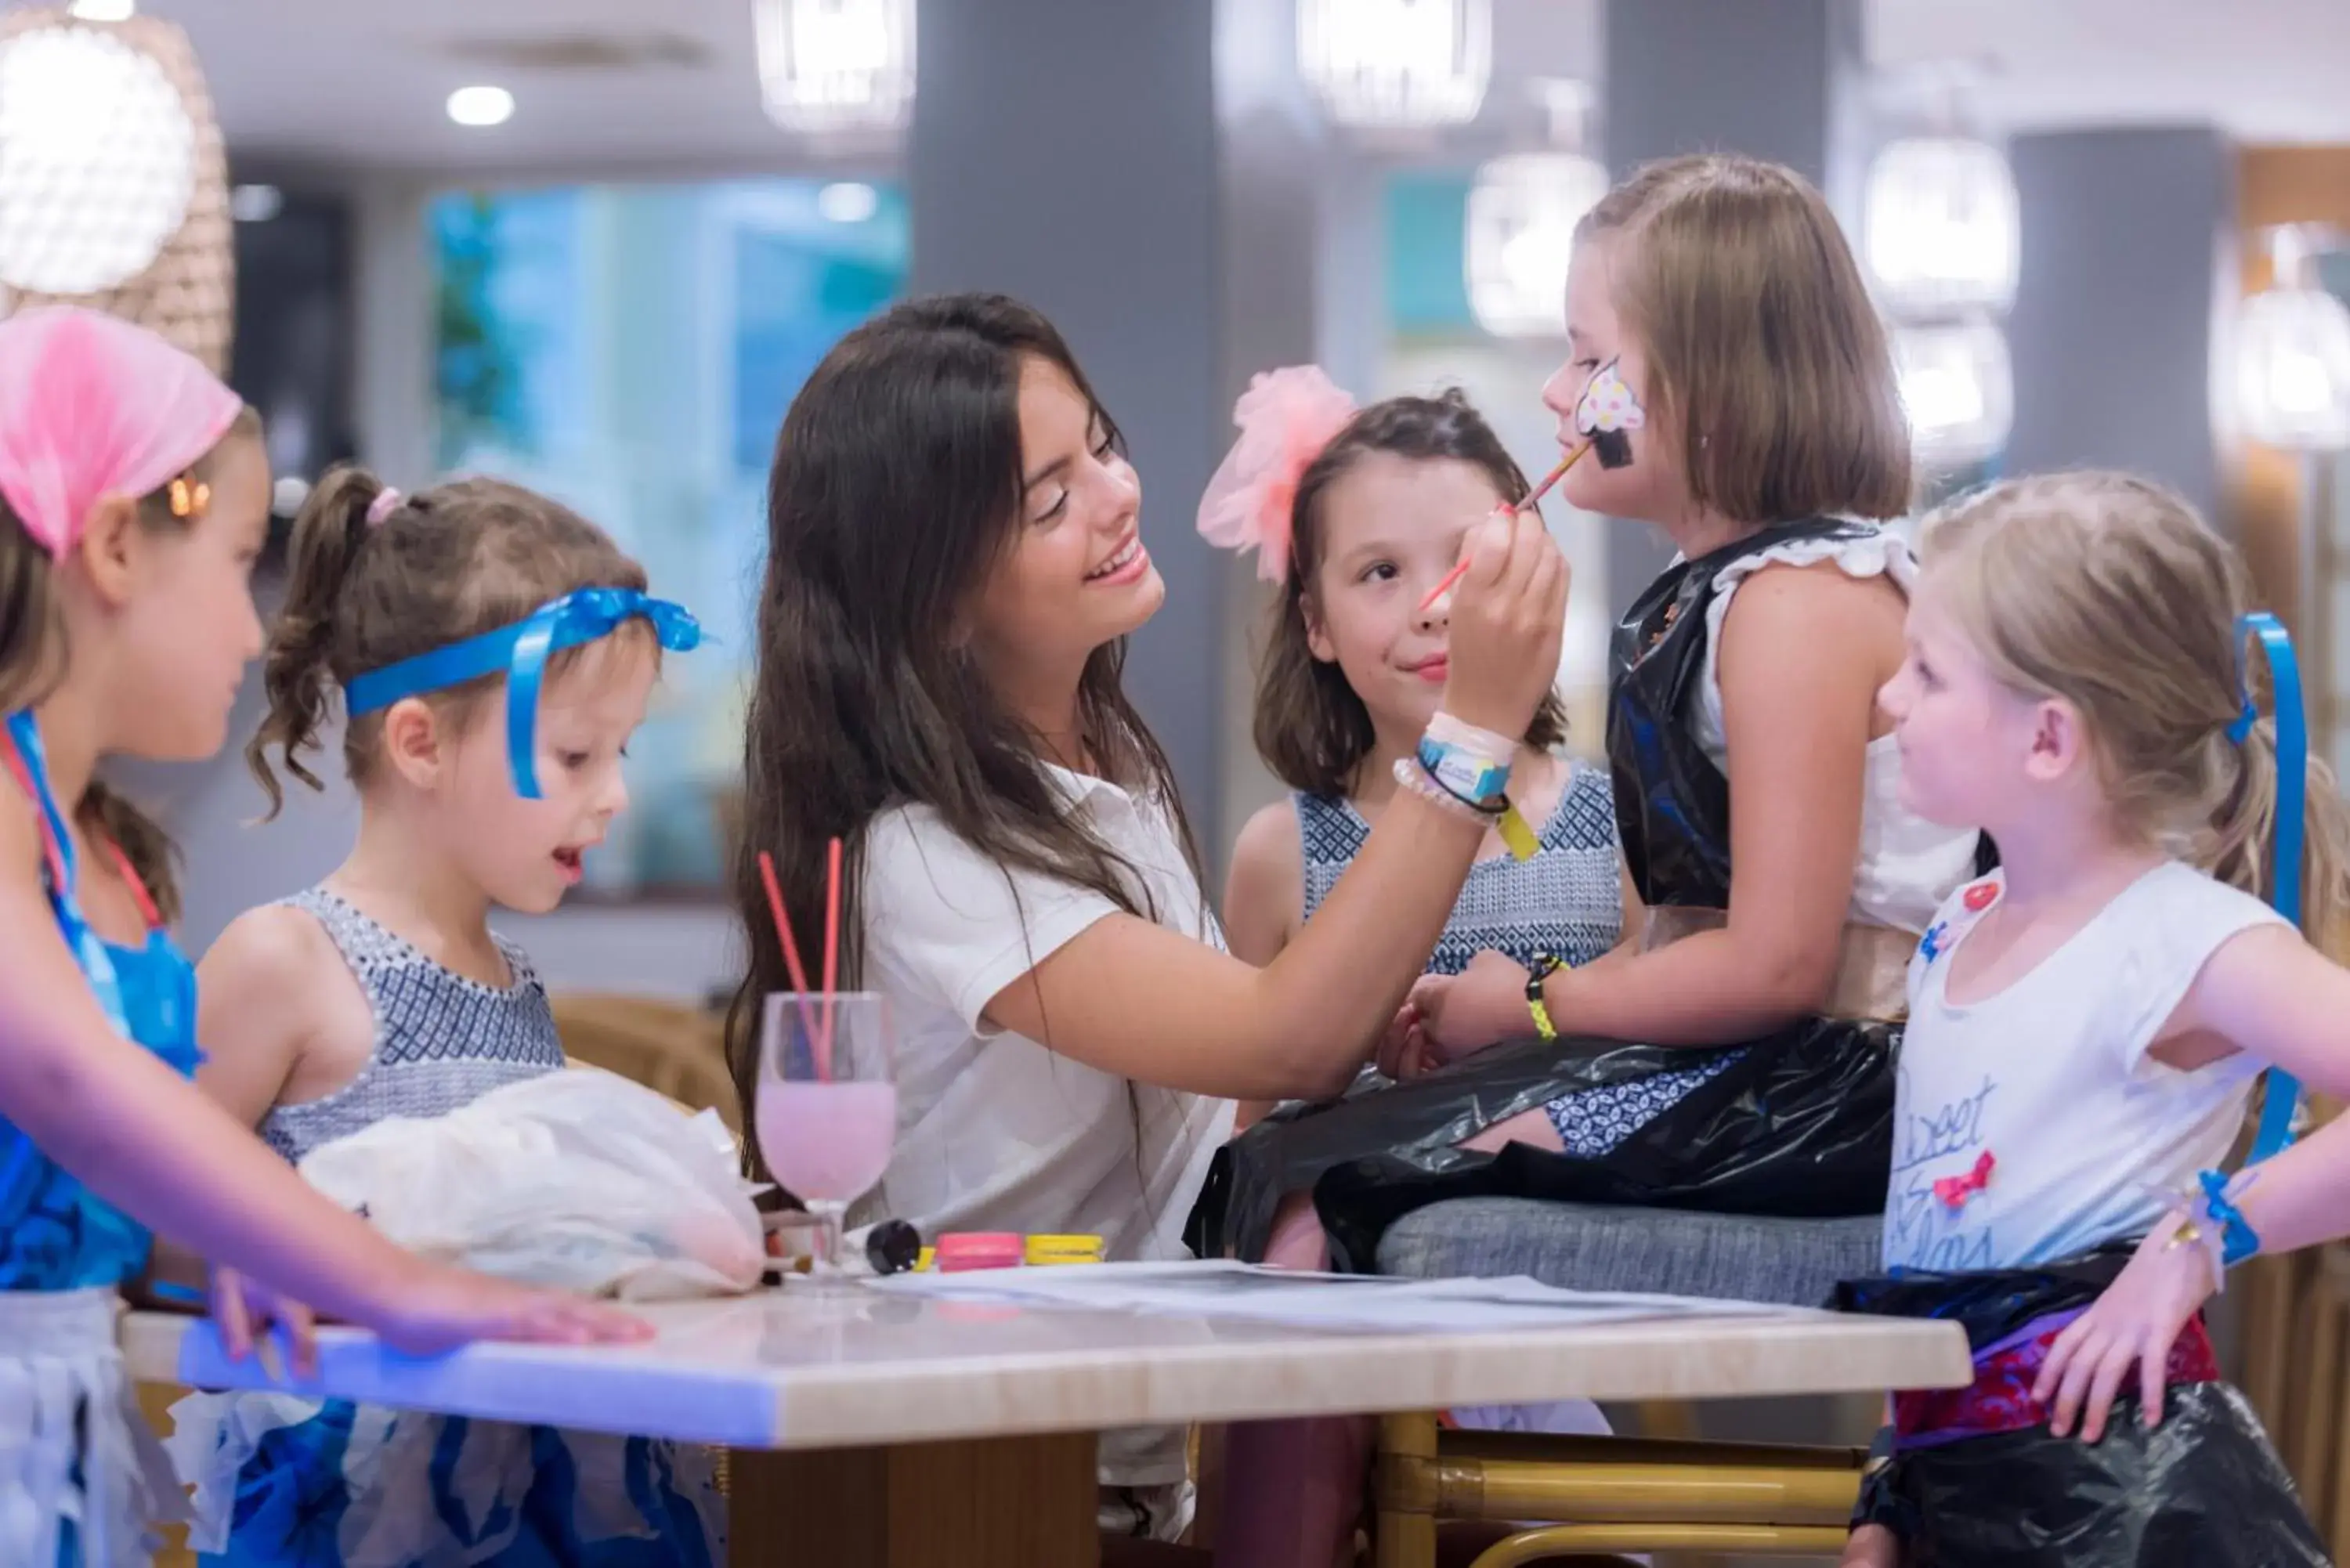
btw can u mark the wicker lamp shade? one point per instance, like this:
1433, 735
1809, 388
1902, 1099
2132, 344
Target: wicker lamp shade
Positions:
113, 177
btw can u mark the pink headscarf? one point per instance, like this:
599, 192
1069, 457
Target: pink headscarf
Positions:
92, 406
1286, 417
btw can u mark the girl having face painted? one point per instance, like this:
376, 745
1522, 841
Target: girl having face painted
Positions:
1734, 390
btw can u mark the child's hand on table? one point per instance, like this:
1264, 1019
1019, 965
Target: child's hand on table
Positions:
436, 1308
2136, 1321
247, 1312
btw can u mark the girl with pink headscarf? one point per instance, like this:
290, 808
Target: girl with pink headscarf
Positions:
133, 503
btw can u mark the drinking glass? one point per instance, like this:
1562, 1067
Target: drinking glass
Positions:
826, 1118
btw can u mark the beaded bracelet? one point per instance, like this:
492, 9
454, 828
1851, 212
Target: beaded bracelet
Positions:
1415, 776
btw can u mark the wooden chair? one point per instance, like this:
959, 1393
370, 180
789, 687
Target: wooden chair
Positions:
2293, 1330
1607, 1494
155, 1402
676, 1050
2293, 1339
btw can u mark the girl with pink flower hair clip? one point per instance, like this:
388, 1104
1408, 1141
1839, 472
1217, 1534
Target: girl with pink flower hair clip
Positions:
1359, 517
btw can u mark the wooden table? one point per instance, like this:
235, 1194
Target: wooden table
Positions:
878, 1431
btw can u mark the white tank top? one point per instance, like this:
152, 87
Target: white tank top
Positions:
1907, 865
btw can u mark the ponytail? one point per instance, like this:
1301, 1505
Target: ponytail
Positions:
297, 670
153, 857
2245, 837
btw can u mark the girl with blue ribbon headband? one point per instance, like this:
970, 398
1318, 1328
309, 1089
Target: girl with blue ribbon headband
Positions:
2088, 1026
383, 993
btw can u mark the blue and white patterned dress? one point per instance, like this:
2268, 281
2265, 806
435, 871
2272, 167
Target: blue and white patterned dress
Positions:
282, 1481
1567, 901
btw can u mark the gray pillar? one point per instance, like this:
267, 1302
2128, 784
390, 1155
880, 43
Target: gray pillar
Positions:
1772, 78
1064, 152
2112, 334
1280, 300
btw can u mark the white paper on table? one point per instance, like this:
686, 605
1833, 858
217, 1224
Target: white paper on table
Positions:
1364, 1302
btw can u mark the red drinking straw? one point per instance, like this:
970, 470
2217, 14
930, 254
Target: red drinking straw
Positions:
791, 952
831, 946
1533, 499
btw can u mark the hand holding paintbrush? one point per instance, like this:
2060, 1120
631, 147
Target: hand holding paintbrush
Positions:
1603, 417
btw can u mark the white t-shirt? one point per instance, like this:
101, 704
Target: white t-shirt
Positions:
2037, 1109
994, 1131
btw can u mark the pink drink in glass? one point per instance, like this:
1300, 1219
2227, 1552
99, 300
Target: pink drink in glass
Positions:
826, 1107
827, 1141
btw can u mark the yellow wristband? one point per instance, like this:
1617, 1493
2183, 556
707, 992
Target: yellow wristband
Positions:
1545, 965
1512, 827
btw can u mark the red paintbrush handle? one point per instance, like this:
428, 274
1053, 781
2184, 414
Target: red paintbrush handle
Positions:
1534, 498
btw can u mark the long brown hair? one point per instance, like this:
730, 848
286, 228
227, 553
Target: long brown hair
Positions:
2108, 592
446, 564
1311, 726
1765, 352
33, 658
895, 492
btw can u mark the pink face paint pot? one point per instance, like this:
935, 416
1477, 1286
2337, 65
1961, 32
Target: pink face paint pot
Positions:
968, 1249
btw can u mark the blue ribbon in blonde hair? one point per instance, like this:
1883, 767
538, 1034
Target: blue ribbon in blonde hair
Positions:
2291, 803
520, 652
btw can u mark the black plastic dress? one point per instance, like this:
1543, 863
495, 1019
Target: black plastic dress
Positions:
1800, 1125
2203, 1490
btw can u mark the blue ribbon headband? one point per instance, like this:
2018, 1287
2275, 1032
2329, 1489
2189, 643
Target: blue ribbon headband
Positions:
2284, 881
520, 652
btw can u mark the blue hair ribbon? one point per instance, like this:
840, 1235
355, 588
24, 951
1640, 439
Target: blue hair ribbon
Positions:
2291, 803
520, 652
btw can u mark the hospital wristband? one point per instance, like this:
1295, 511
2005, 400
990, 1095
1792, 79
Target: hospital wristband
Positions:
1459, 732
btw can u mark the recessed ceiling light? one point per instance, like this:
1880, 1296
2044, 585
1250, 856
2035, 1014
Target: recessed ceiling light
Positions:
847, 202
481, 106
255, 203
103, 10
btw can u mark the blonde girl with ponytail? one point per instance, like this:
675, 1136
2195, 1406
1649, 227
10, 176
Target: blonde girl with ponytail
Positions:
2088, 1025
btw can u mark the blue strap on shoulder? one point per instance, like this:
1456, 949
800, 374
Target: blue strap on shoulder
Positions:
2292, 805
520, 652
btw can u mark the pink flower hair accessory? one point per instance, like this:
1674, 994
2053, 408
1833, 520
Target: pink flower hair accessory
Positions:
1286, 417
387, 502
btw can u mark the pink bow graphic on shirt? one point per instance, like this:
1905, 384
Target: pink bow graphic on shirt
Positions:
1954, 1190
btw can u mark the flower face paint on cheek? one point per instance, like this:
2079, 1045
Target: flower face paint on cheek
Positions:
1607, 413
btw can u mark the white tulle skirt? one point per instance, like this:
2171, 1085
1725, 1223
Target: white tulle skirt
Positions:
82, 1481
